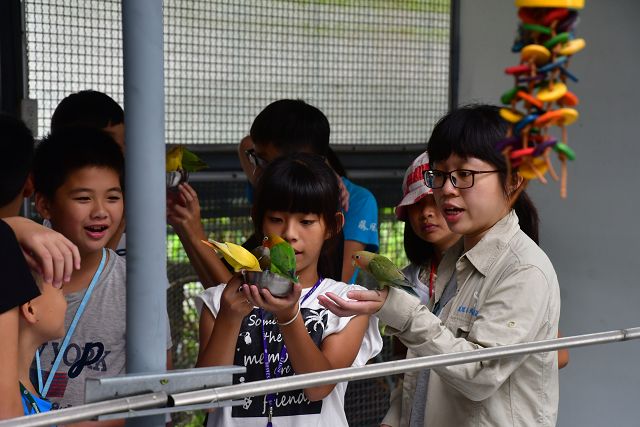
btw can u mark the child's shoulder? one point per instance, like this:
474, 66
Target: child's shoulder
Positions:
210, 298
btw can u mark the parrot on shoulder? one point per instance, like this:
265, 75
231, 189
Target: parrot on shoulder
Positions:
382, 269
283, 257
238, 257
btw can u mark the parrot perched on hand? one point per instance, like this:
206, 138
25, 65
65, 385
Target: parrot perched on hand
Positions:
178, 163
238, 257
283, 257
382, 269
179, 158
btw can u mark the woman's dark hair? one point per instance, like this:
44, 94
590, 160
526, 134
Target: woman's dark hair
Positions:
302, 182
473, 131
418, 251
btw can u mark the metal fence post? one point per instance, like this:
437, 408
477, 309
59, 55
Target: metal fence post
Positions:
142, 31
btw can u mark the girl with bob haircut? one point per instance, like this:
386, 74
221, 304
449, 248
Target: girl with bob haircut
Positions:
506, 290
297, 198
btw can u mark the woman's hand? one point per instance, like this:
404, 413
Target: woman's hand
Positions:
361, 302
284, 308
233, 303
46, 251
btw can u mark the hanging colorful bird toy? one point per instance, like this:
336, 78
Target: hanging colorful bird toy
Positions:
540, 98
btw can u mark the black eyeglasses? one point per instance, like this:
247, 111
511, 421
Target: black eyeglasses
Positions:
460, 178
255, 160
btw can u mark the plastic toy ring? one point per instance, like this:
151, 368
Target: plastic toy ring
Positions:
562, 148
508, 96
559, 38
524, 122
536, 28
530, 99
510, 115
569, 99
551, 94
516, 154
572, 4
535, 53
518, 69
526, 168
572, 47
540, 148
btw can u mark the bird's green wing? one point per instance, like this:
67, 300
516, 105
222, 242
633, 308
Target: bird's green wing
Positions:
386, 272
283, 261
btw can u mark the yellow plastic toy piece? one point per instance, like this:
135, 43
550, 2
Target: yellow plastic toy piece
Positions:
526, 168
572, 47
571, 4
548, 94
569, 115
510, 115
536, 53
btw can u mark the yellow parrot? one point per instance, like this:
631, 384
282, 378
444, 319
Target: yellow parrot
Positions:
174, 158
179, 158
237, 256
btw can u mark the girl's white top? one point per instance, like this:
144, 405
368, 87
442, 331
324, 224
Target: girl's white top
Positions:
290, 408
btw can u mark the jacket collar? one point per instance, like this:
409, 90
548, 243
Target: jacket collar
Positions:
485, 253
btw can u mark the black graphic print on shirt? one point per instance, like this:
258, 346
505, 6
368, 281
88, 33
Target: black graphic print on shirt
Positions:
250, 353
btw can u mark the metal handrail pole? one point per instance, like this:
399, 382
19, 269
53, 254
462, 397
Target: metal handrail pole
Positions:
259, 388
89, 411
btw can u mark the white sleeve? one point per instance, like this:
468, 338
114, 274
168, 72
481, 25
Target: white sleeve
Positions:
210, 298
371, 342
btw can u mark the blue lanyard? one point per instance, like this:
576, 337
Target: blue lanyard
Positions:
72, 327
283, 354
30, 400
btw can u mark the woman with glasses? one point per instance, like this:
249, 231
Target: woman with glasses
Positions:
505, 288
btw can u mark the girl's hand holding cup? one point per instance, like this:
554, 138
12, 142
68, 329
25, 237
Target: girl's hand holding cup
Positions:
284, 308
233, 302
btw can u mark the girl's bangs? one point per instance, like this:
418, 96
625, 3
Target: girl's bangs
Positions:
297, 191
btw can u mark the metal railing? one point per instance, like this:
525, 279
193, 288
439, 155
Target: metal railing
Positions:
217, 395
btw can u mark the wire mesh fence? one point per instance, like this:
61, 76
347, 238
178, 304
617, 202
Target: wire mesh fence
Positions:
379, 69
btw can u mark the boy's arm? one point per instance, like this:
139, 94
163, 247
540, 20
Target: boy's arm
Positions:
46, 250
183, 214
10, 403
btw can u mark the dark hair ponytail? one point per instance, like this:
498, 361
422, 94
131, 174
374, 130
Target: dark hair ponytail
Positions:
527, 215
473, 131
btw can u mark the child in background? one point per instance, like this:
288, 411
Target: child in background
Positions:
41, 320
78, 176
24, 244
90, 108
505, 290
297, 197
283, 127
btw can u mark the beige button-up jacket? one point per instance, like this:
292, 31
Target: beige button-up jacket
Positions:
507, 294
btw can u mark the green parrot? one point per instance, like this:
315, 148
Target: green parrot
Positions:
283, 257
382, 269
